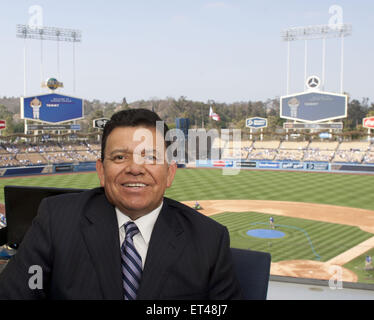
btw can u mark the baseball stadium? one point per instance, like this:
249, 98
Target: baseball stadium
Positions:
292, 176
321, 218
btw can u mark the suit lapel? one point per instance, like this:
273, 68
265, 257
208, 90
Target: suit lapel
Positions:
165, 246
100, 231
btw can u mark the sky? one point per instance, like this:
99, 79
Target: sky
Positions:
227, 51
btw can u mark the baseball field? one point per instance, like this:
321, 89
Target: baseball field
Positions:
320, 219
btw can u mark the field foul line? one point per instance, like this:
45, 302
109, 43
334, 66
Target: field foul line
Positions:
352, 253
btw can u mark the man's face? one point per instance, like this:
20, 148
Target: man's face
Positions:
133, 179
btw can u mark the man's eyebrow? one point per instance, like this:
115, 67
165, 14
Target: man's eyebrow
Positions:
119, 151
127, 151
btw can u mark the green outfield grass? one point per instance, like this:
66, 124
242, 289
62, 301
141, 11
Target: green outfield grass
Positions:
304, 239
79, 181
207, 184
336, 189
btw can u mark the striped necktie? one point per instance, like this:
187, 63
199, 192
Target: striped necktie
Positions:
131, 262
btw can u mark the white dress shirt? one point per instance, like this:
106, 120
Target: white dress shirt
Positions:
145, 225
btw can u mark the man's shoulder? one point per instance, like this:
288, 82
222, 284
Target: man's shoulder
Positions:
76, 202
76, 195
72, 209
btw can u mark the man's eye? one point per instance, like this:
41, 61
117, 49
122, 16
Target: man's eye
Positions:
118, 158
150, 158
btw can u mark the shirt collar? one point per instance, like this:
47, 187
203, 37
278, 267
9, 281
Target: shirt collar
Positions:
145, 223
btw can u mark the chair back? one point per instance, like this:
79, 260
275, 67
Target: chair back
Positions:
253, 272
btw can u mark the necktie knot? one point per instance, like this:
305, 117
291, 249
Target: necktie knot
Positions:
131, 230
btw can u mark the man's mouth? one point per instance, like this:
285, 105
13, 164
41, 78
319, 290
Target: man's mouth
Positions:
134, 185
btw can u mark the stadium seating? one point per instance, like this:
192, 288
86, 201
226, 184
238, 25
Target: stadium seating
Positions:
28, 154
294, 145
369, 157
273, 144
316, 145
354, 145
25, 154
354, 156
293, 155
351, 151
30, 158
318, 155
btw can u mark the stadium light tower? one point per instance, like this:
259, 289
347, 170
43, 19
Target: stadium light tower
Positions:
48, 33
317, 32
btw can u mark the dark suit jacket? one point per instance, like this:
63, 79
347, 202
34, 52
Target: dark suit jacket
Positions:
75, 240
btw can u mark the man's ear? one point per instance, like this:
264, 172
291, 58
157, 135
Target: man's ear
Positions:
100, 171
172, 169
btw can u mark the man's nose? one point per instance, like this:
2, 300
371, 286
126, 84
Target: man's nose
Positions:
136, 165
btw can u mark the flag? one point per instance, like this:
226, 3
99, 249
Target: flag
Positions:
213, 115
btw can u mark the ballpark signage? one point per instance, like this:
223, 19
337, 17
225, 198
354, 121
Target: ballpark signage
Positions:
100, 123
51, 108
246, 164
223, 163
54, 127
268, 164
317, 166
2, 124
292, 165
314, 106
256, 122
332, 125
368, 123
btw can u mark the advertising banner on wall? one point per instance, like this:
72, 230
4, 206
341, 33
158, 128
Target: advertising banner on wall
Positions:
319, 126
256, 123
314, 106
317, 166
54, 127
268, 165
51, 108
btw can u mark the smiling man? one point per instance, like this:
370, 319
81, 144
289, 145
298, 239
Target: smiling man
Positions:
124, 240
133, 179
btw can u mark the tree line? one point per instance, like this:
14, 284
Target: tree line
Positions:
233, 115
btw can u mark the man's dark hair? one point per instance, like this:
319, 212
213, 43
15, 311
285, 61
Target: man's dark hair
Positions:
131, 118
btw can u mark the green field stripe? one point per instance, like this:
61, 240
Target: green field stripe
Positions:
335, 189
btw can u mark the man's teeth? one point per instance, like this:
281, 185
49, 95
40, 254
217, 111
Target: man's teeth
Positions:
134, 185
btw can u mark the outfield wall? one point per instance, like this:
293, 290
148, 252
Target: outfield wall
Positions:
48, 169
286, 165
230, 163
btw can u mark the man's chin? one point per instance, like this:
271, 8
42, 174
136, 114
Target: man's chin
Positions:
135, 210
